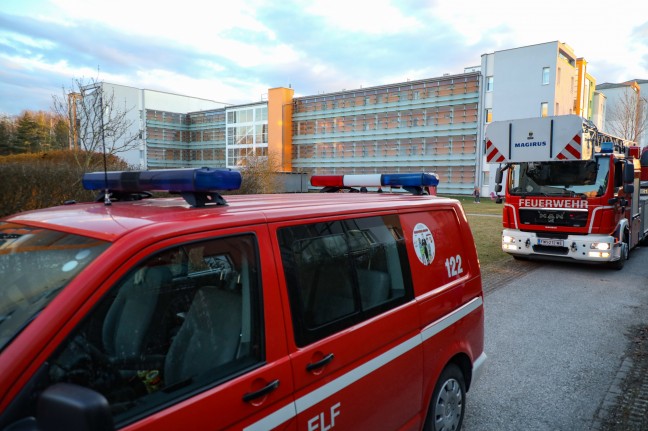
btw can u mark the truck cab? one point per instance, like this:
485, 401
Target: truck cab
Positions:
571, 192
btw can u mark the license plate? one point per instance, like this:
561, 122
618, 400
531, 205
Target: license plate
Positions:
550, 242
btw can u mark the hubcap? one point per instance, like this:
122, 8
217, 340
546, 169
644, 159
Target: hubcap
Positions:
448, 407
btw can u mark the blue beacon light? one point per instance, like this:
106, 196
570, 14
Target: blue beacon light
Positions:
197, 186
607, 147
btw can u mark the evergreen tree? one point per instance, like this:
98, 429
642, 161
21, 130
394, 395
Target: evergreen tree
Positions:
28, 134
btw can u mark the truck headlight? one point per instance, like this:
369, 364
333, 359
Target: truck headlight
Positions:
600, 245
508, 239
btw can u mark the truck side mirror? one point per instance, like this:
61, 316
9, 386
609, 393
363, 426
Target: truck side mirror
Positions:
628, 189
644, 158
628, 173
498, 188
498, 176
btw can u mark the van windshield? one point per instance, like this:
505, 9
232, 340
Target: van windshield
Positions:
36, 264
584, 178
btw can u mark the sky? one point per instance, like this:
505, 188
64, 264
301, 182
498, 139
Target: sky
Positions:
234, 51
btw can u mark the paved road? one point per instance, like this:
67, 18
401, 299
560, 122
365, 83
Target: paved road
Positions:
556, 338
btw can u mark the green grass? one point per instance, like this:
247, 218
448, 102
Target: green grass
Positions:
485, 220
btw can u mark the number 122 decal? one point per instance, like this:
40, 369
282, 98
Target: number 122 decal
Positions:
453, 266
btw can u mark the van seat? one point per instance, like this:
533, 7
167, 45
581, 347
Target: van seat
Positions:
374, 286
209, 337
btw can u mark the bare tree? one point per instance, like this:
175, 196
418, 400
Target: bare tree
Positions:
99, 123
628, 117
259, 175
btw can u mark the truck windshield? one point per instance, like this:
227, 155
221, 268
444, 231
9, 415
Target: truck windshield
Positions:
587, 178
36, 264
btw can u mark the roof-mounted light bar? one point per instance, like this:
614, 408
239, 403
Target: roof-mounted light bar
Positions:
198, 186
412, 182
607, 147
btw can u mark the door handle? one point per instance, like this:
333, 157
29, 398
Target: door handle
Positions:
261, 392
319, 364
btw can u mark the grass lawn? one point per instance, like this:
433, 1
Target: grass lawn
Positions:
485, 221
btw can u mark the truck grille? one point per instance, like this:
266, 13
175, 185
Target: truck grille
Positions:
558, 251
553, 217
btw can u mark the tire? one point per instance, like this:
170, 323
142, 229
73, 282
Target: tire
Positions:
625, 254
448, 404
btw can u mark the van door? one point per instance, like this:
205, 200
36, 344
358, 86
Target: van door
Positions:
355, 341
449, 293
189, 336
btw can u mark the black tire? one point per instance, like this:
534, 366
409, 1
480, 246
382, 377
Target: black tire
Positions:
625, 253
448, 404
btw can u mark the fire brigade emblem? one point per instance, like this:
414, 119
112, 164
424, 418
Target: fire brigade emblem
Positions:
423, 244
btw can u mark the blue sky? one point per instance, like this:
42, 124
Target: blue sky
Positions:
234, 51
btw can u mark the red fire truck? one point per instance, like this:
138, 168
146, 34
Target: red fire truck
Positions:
571, 191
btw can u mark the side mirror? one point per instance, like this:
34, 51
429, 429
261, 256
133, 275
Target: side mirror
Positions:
628, 189
628, 173
644, 158
65, 406
498, 188
498, 176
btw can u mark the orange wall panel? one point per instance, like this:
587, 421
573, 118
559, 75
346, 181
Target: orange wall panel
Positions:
280, 126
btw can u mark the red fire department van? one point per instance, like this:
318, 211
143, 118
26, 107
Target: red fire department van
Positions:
317, 311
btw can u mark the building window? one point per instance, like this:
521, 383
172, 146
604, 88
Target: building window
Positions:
489, 115
545, 76
544, 109
489, 83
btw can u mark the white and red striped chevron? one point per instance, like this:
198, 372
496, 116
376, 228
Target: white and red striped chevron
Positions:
492, 153
572, 150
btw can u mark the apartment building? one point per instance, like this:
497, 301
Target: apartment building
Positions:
428, 125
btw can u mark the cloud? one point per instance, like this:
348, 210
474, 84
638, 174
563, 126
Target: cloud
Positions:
245, 48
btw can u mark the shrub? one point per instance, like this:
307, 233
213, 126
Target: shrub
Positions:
40, 180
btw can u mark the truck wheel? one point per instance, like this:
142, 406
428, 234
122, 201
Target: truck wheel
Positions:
448, 403
625, 254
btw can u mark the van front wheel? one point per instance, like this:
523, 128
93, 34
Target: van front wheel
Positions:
448, 403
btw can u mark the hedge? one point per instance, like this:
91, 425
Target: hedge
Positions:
39, 180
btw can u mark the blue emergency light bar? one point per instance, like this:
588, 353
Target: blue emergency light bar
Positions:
607, 147
169, 180
197, 186
414, 182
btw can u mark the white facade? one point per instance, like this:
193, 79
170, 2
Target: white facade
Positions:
526, 82
599, 103
136, 101
615, 94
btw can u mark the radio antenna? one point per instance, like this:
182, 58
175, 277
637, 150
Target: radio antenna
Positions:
107, 201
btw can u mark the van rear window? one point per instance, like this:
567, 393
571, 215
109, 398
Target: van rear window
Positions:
342, 272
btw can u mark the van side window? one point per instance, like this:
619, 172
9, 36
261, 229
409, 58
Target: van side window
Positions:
342, 272
181, 321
